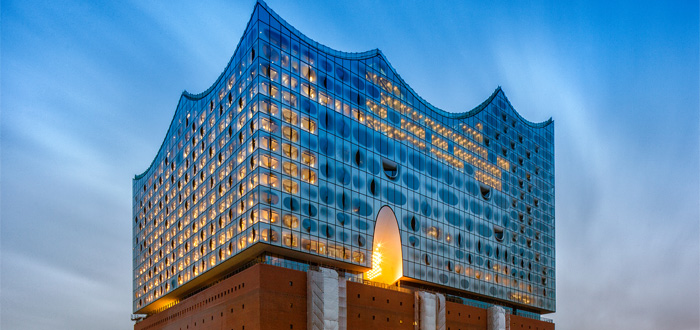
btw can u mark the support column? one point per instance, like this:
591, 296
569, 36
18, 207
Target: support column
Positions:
429, 311
496, 318
342, 304
325, 308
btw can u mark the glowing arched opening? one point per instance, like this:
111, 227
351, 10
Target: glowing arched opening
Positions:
387, 259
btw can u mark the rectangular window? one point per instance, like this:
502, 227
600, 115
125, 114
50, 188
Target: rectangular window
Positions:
268, 124
308, 158
268, 179
290, 186
290, 151
290, 221
268, 161
268, 143
308, 175
289, 239
290, 169
290, 116
308, 124
290, 134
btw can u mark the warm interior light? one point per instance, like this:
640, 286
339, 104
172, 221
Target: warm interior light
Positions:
376, 263
387, 258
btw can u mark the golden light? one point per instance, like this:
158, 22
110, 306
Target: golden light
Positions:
387, 258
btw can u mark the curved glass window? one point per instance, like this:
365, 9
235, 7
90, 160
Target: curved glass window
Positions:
290, 116
290, 169
290, 151
290, 134
290, 186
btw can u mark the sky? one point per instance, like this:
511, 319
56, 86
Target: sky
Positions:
87, 92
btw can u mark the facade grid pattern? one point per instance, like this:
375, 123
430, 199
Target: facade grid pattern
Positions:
299, 146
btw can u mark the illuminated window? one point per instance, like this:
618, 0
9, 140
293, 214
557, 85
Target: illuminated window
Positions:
290, 221
268, 161
308, 90
268, 179
290, 150
290, 134
308, 124
433, 232
285, 80
308, 73
267, 215
268, 107
290, 186
290, 116
268, 143
308, 175
289, 98
308, 158
323, 99
268, 124
290, 240
273, 73
337, 251
269, 235
290, 169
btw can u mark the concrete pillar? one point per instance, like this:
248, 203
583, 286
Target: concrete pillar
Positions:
342, 303
326, 300
496, 318
429, 311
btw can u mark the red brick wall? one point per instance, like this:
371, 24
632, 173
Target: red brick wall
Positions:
376, 308
269, 297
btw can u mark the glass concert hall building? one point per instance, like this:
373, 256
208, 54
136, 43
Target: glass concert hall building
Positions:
306, 157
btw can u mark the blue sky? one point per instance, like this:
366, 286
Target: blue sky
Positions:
88, 91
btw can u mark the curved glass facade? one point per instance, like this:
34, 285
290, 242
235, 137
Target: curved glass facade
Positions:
298, 146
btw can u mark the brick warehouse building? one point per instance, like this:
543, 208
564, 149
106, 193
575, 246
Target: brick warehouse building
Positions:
314, 188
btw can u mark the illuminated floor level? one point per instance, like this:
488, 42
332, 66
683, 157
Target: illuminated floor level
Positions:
271, 297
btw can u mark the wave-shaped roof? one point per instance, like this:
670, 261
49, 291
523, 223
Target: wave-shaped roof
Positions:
187, 96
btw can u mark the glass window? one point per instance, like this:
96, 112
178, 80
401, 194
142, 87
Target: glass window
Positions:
268, 179
267, 215
308, 124
290, 221
308, 73
289, 98
285, 79
290, 169
268, 162
268, 143
290, 116
290, 240
290, 186
268, 124
295, 66
308, 175
308, 158
308, 90
290, 150
290, 134
269, 235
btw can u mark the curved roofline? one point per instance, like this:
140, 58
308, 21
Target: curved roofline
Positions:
466, 114
340, 54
